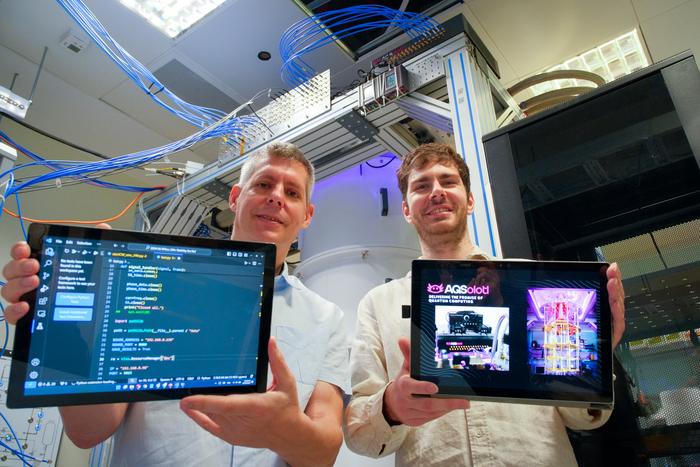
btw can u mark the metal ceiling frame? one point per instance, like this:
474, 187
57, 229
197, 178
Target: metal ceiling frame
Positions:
341, 137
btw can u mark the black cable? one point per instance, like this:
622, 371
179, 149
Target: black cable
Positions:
383, 165
272, 133
55, 138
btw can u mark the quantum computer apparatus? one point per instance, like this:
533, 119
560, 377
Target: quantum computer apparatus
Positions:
535, 332
124, 316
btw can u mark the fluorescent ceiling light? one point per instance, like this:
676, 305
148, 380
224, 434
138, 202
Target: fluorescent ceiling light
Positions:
618, 57
172, 16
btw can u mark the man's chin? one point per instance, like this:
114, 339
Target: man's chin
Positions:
261, 235
441, 229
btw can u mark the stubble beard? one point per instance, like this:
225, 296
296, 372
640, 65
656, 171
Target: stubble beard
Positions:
439, 237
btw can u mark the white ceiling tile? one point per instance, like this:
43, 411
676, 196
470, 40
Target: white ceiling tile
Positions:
673, 31
506, 70
535, 34
66, 112
132, 101
647, 9
227, 46
27, 26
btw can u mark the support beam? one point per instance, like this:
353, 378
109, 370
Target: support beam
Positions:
472, 115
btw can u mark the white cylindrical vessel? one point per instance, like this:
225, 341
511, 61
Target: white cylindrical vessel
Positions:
351, 247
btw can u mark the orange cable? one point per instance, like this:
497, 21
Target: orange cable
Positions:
62, 221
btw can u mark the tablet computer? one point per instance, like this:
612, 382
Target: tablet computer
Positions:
124, 316
513, 331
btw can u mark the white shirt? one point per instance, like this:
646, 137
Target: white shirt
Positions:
487, 434
315, 346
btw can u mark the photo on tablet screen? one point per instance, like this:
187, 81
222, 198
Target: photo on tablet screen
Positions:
562, 331
466, 337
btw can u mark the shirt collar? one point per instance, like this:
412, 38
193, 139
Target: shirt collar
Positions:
284, 279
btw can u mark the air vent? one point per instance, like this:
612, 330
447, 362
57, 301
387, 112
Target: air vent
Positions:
75, 42
190, 86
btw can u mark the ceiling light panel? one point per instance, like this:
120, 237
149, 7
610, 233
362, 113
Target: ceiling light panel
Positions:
172, 17
618, 57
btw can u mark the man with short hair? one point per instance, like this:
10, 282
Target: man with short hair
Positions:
298, 420
383, 416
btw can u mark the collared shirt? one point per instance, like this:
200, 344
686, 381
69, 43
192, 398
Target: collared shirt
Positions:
487, 434
310, 334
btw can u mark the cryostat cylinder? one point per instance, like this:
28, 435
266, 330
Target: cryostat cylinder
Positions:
350, 247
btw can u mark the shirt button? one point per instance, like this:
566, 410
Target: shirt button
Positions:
478, 433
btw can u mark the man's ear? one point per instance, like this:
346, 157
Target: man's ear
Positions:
470, 203
233, 197
309, 214
406, 212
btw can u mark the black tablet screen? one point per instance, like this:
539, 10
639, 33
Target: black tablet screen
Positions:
115, 314
513, 329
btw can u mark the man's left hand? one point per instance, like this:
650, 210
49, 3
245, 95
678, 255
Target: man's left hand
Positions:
616, 295
253, 420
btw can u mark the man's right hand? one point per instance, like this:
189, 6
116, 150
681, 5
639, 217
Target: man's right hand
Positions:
21, 275
400, 405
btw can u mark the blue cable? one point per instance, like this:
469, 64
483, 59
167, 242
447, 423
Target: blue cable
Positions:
57, 165
21, 220
22, 457
21, 454
139, 74
61, 164
214, 123
298, 39
134, 159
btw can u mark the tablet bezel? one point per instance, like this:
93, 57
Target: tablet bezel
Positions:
37, 232
602, 397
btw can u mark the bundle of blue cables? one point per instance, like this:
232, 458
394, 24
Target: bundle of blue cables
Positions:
314, 32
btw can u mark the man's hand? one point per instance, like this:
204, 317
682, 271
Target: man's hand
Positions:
254, 420
401, 406
616, 295
21, 274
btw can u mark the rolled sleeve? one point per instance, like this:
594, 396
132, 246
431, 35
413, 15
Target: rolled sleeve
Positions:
583, 419
367, 431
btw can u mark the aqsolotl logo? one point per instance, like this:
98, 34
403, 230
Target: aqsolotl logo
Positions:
461, 289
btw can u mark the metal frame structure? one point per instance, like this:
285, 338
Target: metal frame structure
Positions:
451, 87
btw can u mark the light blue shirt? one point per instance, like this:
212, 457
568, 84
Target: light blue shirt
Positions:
310, 334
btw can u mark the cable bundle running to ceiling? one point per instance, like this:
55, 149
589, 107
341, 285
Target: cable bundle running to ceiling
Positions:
314, 32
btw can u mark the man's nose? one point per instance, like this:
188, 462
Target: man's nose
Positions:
437, 192
275, 196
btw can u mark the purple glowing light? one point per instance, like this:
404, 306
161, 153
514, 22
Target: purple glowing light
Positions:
582, 299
